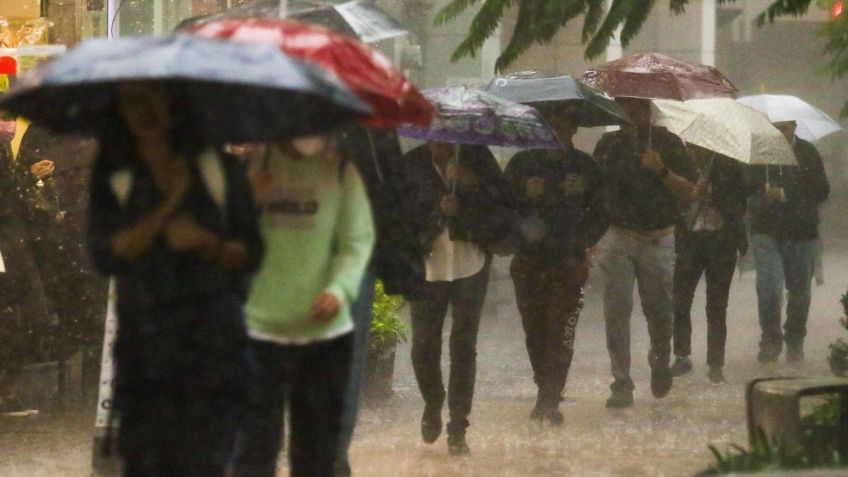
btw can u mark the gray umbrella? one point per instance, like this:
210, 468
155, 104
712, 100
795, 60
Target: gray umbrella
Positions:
592, 107
225, 92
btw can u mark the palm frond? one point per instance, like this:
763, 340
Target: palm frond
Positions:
782, 8
618, 12
482, 27
594, 15
639, 12
452, 10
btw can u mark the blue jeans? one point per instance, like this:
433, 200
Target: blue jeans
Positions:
625, 260
779, 264
360, 311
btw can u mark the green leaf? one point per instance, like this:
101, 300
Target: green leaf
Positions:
452, 10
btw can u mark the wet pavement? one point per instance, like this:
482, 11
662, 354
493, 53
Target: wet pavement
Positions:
666, 437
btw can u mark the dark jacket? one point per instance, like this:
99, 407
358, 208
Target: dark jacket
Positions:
572, 224
731, 188
398, 258
636, 198
485, 209
805, 187
161, 277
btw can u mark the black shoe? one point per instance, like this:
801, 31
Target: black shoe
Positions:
661, 381
681, 366
715, 374
768, 355
457, 445
795, 355
620, 399
553, 416
431, 423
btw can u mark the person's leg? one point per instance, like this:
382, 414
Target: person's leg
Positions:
360, 311
799, 264
655, 272
719, 276
428, 318
530, 296
566, 301
688, 267
261, 434
619, 274
317, 398
770, 276
467, 298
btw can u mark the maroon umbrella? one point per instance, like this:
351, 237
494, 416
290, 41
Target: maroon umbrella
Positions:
657, 76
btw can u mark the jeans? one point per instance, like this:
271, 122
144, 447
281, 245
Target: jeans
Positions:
549, 301
311, 379
360, 311
625, 260
779, 264
466, 297
713, 255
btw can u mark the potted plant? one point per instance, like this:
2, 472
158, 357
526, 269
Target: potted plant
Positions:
387, 330
838, 358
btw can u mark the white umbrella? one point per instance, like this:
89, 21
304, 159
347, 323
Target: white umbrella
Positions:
726, 127
813, 123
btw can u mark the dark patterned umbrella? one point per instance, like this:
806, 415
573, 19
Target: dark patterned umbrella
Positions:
657, 76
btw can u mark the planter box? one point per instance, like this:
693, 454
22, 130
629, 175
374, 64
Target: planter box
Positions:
379, 371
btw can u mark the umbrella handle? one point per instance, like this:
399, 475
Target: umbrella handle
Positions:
455, 162
377, 167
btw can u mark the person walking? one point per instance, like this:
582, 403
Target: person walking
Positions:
707, 244
319, 229
647, 174
785, 221
560, 203
174, 223
464, 207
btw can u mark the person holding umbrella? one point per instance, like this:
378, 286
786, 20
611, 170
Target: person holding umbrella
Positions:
647, 175
559, 199
175, 224
784, 231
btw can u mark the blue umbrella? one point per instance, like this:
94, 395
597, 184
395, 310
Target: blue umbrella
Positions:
225, 92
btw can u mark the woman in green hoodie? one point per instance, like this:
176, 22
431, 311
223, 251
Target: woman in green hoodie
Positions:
317, 223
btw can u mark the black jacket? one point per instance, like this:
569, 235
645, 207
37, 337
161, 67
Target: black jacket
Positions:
485, 209
805, 187
571, 224
636, 198
731, 188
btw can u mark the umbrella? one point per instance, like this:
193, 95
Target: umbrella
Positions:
657, 76
361, 19
230, 92
812, 123
592, 107
726, 127
469, 116
367, 72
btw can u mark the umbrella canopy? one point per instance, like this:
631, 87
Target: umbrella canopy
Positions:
361, 19
813, 123
657, 76
466, 115
591, 107
367, 72
229, 92
726, 127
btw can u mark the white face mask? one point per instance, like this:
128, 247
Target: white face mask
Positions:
7, 130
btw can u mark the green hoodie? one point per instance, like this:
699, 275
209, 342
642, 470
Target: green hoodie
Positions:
319, 234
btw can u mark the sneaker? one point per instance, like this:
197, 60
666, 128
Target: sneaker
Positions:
795, 355
681, 366
661, 381
457, 445
431, 423
11, 407
715, 374
620, 399
554, 417
768, 355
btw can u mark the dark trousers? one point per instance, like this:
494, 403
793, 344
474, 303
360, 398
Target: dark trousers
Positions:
549, 300
361, 312
466, 297
710, 254
312, 380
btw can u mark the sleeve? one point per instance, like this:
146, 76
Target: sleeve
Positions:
244, 215
595, 219
105, 218
814, 186
354, 238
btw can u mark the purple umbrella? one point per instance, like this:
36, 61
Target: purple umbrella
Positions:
466, 115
